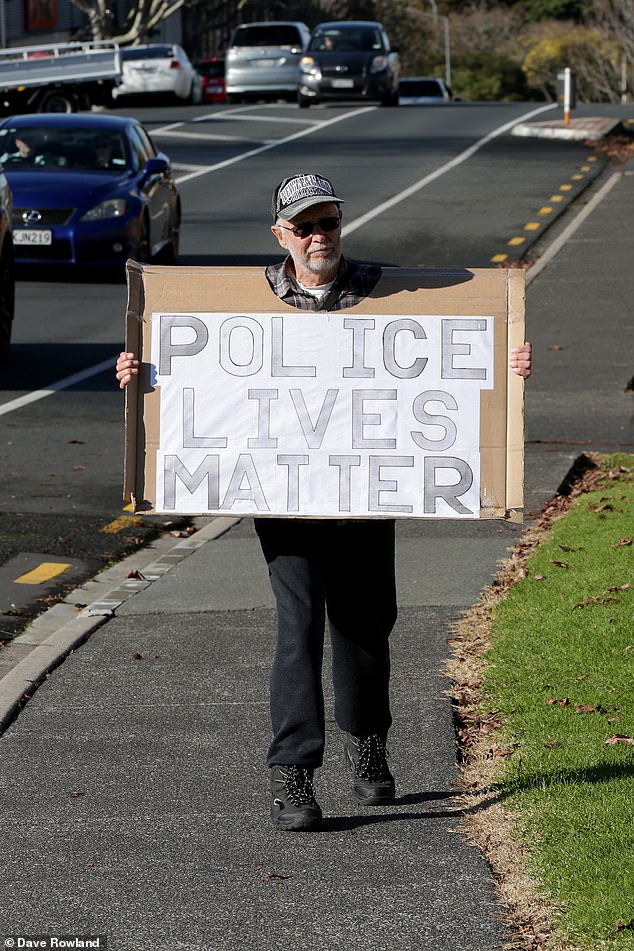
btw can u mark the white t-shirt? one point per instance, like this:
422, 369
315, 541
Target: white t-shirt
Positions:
319, 291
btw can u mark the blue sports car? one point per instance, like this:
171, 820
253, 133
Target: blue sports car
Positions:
88, 190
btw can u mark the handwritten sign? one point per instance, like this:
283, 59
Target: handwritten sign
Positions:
320, 414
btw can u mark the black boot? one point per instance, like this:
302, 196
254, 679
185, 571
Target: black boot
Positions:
293, 799
372, 781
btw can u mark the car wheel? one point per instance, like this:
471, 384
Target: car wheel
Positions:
303, 101
7, 297
57, 100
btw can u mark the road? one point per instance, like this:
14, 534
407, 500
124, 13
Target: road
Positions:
428, 186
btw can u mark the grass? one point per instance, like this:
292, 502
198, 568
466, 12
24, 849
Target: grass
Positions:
557, 689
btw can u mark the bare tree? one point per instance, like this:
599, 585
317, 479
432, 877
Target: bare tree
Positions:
143, 16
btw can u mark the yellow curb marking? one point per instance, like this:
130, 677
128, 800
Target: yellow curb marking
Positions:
565, 188
532, 226
585, 168
499, 258
43, 572
556, 198
591, 158
515, 241
128, 508
576, 178
124, 521
546, 210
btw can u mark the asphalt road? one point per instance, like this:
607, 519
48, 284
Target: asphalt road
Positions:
427, 186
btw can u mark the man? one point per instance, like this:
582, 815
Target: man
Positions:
324, 568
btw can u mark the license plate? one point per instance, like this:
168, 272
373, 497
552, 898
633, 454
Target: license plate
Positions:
32, 236
342, 83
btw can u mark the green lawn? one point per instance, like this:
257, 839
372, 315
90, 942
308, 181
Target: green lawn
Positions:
560, 677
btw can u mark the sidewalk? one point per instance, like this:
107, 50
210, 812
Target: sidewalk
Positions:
133, 790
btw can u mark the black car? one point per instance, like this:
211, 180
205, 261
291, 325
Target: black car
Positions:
349, 59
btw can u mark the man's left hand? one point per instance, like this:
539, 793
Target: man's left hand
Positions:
520, 361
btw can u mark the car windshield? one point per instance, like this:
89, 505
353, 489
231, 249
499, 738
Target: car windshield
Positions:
54, 148
276, 35
362, 39
420, 87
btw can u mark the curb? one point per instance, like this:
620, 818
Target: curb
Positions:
577, 131
29, 658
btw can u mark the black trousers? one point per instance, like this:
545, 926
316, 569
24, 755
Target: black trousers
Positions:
322, 568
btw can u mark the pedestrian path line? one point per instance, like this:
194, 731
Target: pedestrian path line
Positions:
59, 385
44, 572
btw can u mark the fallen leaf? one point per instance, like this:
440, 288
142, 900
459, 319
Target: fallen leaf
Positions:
589, 708
560, 703
539, 577
622, 543
619, 587
620, 738
136, 575
560, 564
273, 878
567, 548
137, 656
78, 468
556, 346
76, 793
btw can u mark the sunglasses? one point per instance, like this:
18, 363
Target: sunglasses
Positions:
307, 228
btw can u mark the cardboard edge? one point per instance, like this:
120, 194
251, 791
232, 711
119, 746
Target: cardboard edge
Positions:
516, 291
133, 344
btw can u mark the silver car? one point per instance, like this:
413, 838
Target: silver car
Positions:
262, 60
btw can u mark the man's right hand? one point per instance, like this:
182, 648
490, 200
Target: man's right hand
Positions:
127, 368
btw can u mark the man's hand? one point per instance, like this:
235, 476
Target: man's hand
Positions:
520, 361
127, 368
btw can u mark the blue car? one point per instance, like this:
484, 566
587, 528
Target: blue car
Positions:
88, 190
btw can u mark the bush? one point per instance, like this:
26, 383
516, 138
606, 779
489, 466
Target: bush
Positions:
490, 77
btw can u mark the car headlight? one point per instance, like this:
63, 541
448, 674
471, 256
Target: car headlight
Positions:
378, 63
112, 208
309, 65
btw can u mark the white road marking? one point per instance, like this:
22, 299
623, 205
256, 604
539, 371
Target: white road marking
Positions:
56, 387
442, 170
209, 136
273, 145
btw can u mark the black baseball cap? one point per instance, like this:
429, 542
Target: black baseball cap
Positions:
301, 191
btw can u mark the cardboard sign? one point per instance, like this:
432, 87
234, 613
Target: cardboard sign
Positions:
402, 406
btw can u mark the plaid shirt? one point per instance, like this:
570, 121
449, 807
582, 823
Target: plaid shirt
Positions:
353, 282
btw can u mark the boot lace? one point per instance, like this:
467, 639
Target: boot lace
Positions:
372, 762
298, 785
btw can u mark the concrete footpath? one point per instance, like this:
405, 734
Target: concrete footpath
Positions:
133, 793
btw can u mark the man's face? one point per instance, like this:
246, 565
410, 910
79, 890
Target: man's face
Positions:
317, 255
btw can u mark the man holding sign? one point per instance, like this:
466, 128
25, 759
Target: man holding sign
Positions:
338, 569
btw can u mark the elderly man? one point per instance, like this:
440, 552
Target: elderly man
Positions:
319, 569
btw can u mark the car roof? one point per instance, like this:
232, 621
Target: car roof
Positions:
67, 120
244, 26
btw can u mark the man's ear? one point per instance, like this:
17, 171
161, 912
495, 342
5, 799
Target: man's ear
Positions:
279, 234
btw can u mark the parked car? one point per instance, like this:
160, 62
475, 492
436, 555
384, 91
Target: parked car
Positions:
423, 90
158, 69
88, 189
349, 59
263, 60
7, 282
212, 73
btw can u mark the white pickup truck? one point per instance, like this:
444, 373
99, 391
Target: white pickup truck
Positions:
62, 77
